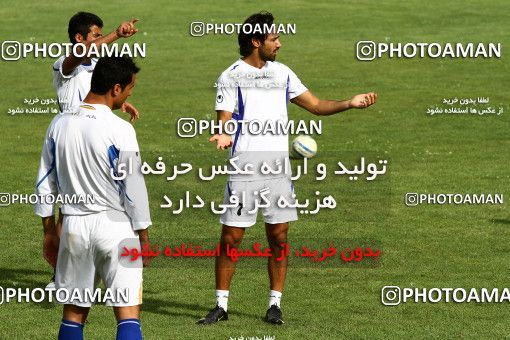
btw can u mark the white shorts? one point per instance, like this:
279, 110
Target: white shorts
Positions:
245, 214
90, 249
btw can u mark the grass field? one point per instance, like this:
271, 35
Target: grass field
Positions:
424, 246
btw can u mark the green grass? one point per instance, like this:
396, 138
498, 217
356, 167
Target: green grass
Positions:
424, 246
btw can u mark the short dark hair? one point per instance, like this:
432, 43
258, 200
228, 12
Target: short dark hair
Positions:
81, 23
110, 71
262, 18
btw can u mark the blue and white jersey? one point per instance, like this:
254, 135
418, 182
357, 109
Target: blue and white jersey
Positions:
257, 94
81, 151
72, 88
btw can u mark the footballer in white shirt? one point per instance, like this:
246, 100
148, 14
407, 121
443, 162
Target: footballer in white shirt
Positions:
72, 75
82, 154
256, 87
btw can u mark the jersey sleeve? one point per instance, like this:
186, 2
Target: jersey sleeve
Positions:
225, 93
136, 201
294, 85
57, 68
64, 85
46, 184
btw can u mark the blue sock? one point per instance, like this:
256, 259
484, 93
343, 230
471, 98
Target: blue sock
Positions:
70, 330
129, 329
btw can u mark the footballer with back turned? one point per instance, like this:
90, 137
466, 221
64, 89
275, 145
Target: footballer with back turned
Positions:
246, 91
80, 152
71, 80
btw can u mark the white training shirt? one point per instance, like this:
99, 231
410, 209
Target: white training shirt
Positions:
261, 94
79, 153
72, 89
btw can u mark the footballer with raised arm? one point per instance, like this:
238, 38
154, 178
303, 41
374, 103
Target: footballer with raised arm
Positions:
82, 156
256, 87
72, 74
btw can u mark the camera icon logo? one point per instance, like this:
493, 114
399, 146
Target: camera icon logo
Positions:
197, 29
5, 199
11, 50
411, 199
187, 127
366, 50
390, 295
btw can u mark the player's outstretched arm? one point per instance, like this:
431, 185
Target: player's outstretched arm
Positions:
223, 141
125, 30
320, 107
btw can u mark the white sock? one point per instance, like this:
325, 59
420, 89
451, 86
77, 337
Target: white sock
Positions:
222, 298
274, 298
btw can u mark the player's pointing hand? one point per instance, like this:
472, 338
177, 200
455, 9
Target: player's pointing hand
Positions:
364, 100
127, 29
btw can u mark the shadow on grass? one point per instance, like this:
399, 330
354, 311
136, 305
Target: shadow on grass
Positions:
31, 279
27, 278
21, 277
179, 309
500, 221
